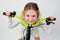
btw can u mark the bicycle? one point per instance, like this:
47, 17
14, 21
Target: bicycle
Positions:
27, 36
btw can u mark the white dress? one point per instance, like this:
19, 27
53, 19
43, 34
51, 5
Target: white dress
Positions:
22, 31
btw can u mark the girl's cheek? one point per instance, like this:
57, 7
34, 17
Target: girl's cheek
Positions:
26, 19
35, 18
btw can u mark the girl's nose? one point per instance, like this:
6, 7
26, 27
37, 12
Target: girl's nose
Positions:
30, 18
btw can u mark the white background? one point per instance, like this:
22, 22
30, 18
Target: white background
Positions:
47, 8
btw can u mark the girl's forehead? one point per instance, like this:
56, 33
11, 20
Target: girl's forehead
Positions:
31, 12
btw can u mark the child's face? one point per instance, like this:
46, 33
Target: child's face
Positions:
30, 16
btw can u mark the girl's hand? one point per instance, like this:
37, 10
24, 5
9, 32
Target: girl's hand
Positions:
8, 14
51, 18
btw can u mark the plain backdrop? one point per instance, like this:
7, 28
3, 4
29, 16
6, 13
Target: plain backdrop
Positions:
47, 8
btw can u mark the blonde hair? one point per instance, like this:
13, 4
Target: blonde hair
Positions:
31, 5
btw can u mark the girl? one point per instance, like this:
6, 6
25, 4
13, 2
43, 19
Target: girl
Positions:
30, 15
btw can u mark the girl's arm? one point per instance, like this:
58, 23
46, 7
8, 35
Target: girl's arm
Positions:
48, 25
47, 28
13, 22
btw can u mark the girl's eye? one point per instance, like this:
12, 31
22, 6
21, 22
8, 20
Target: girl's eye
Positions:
33, 16
27, 15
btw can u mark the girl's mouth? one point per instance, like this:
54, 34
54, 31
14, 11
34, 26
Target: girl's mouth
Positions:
31, 21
